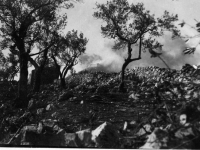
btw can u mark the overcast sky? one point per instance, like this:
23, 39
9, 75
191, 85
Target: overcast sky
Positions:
80, 18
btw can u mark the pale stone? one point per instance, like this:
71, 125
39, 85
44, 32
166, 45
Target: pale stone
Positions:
85, 136
106, 136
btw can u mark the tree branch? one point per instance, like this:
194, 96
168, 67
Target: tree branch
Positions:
140, 47
163, 61
37, 9
42, 50
5, 21
56, 64
69, 66
140, 51
36, 53
33, 62
118, 34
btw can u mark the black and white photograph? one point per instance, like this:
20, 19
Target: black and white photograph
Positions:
108, 74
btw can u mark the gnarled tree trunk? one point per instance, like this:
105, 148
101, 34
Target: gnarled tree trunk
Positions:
23, 79
127, 61
121, 86
62, 82
38, 71
37, 80
64, 73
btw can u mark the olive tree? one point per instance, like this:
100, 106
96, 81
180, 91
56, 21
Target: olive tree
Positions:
48, 39
20, 28
67, 51
131, 25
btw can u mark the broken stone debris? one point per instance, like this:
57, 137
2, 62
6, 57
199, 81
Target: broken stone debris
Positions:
48, 133
184, 138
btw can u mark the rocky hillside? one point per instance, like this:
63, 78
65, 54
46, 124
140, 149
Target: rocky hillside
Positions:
159, 109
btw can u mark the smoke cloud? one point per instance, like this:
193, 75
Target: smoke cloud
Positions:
111, 61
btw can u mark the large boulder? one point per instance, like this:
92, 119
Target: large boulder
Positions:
106, 136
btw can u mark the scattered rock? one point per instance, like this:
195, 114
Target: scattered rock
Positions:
125, 126
50, 107
72, 99
40, 111
154, 120
134, 96
49, 122
34, 104
156, 140
31, 103
144, 130
133, 122
55, 114
44, 92
71, 140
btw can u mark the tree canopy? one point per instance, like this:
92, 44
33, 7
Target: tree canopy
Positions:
126, 23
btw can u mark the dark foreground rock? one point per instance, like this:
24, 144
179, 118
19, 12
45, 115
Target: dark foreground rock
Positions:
184, 138
48, 134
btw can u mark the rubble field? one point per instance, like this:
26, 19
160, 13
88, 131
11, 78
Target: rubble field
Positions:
159, 109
